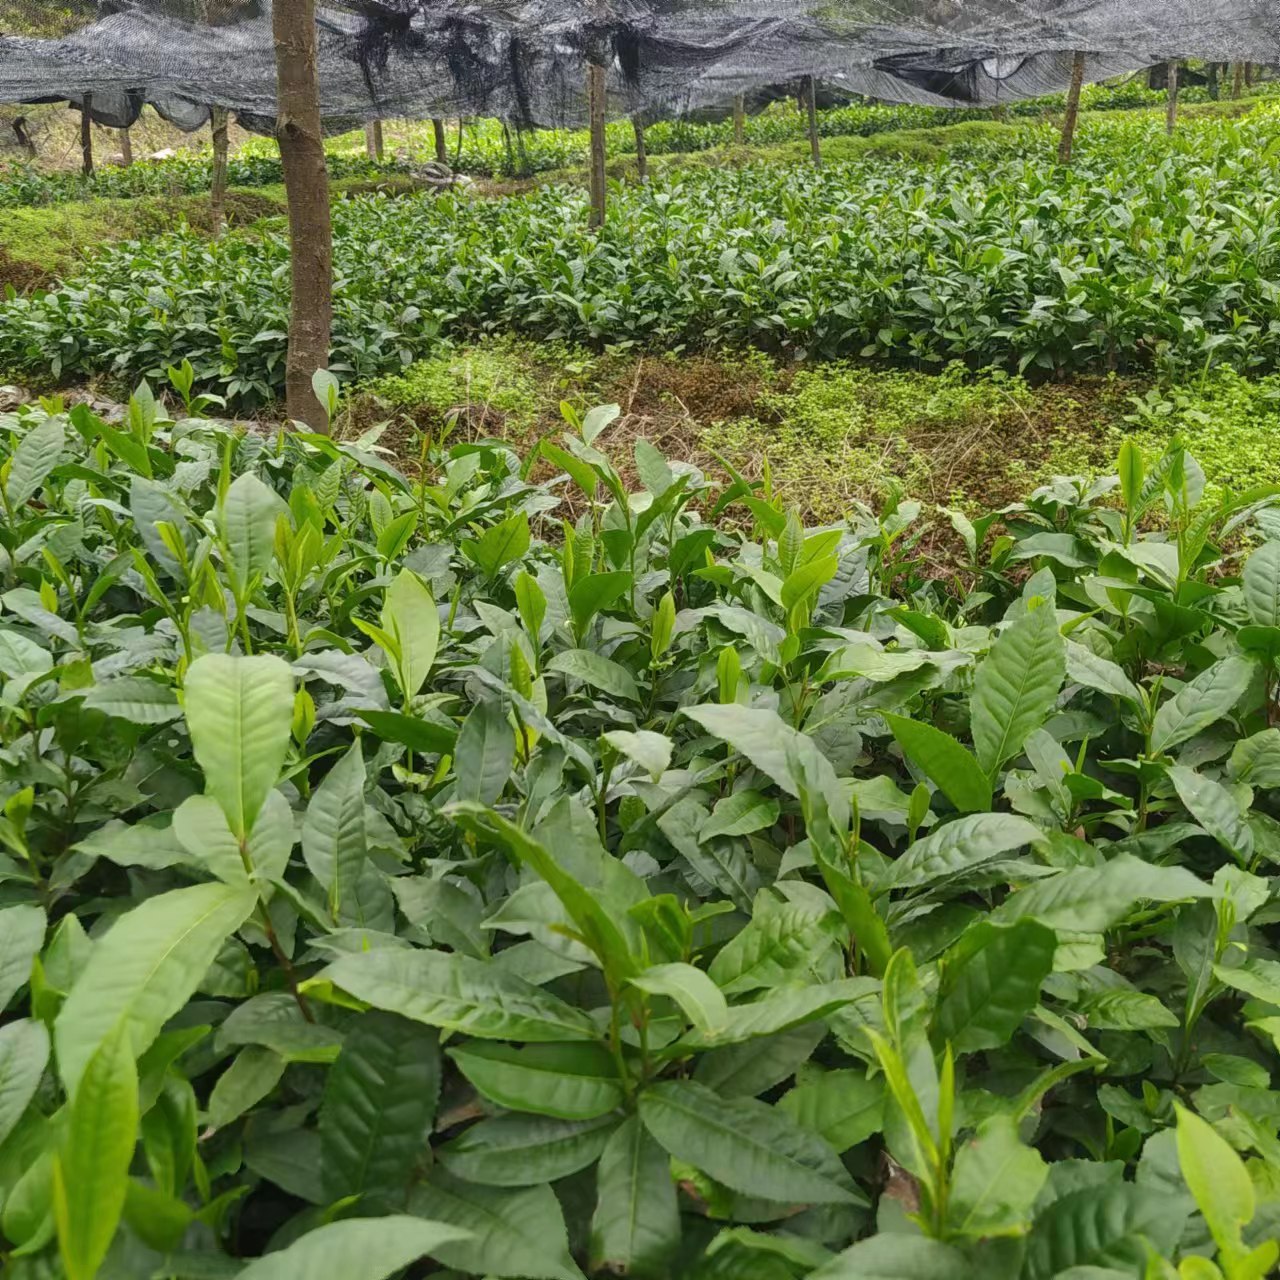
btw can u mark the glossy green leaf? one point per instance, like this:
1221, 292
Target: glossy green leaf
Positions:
136, 699
145, 969
239, 711
944, 761
516, 1234
1215, 809
697, 995
410, 618
597, 671
740, 814
1016, 686
1201, 702
844, 1106
990, 981
91, 1169
254, 1072
24, 1054
21, 937
378, 1107
457, 993
357, 1249
957, 846
35, 456
571, 1081
995, 1182
747, 1145
521, 1150
636, 1226
484, 753
1261, 581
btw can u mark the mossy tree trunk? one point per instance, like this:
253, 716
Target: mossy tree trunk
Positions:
218, 182
306, 182
642, 149
1072, 113
811, 109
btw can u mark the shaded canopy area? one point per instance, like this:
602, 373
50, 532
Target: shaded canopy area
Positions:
525, 60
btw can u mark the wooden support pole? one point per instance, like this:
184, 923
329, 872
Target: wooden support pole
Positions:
25, 141
373, 141
1237, 80
1171, 112
739, 121
442, 145
1072, 113
811, 106
306, 183
126, 148
218, 182
86, 136
642, 149
1248, 75
596, 102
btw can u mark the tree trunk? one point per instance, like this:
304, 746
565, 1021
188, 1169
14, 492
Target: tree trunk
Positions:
642, 150
1237, 80
442, 145
373, 143
1211, 79
306, 183
1248, 75
218, 184
1171, 113
596, 99
811, 106
126, 148
739, 121
86, 137
1072, 113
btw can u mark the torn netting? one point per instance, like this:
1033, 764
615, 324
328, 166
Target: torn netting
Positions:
524, 60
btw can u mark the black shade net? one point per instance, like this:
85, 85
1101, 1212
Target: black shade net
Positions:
525, 60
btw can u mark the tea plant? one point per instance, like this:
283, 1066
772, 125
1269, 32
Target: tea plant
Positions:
399, 868
1146, 252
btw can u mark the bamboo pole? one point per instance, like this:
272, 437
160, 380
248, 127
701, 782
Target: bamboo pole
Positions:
811, 106
739, 121
1171, 112
642, 150
1072, 113
596, 100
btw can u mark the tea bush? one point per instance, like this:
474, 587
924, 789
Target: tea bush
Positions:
392, 868
1147, 251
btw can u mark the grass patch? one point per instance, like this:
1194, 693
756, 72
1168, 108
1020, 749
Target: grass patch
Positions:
497, 386
1229, 424
830, 435
44, 243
